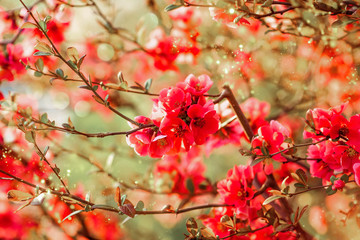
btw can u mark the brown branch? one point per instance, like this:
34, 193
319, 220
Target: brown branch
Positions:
42, 156
110, 208
77, 71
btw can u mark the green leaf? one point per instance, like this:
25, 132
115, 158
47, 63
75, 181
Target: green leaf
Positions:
272, 198
29, 25
148, 84
85, 87
299, 185
332, 179
345, 178
190, 185
73, 65
42, 54
140, 206
283, 227
257, 160
330, 191
43, 25
81, 61
39, 64
59, 72
44, 118
29, 136
171, 7
37, 74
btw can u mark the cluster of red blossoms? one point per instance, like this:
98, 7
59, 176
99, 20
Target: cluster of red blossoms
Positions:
338, 149
182, 116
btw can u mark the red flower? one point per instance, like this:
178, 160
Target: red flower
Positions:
203, 122
227, 16
236, 188
338, 185
178, 131
10, 62
173, 99
273, 137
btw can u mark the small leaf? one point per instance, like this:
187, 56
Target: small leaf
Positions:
128, 209
171, 7
73, 54
117, 196
140, 206
283, 227
148, 84
257, 160
299, 185
29, 25
190, 185
120, 77
43, 25
191, 226
59, 72
345, 178
29, 136
72, 214
330, 191
272, 198
81, 61
207, 234
303, 211
332, 179
39, 64
301, 173
227, 221
37, 74
44, 118
42, 54
16, 195
43, 47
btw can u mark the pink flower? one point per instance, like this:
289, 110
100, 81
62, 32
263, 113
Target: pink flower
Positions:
197, 86
148, 142
356, 168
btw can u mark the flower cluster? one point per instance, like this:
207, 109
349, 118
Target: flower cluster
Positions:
236, 188
182, 117
181, 173
338, 147
269, 142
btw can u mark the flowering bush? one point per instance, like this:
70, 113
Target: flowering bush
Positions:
210, 116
